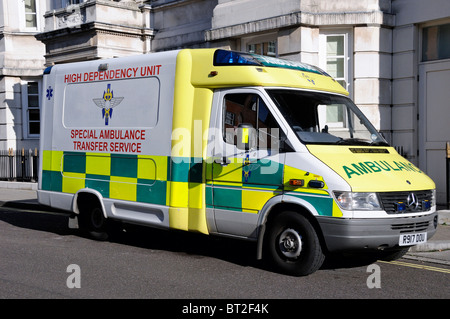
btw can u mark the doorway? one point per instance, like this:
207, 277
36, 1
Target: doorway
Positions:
434, 123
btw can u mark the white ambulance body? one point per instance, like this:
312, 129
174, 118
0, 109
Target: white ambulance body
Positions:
228, 143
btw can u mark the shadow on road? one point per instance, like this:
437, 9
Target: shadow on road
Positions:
192, 245
36, 220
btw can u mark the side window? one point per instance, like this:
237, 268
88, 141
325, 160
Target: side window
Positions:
31, 109
249, 108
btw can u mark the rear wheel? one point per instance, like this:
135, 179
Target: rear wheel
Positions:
293, 246
91, 218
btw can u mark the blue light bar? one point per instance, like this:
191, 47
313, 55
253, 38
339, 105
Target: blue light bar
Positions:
48, 70
225, 57
287, 64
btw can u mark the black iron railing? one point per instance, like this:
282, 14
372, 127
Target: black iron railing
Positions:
19, 165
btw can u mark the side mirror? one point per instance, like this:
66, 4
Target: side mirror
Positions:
246, 137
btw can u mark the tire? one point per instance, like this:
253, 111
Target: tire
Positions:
93, 222
293, 246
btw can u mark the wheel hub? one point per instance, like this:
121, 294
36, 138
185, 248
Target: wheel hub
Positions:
290, 243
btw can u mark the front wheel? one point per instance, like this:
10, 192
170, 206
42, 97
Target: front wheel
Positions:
293, 246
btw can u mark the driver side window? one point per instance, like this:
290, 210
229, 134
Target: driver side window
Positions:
249, 108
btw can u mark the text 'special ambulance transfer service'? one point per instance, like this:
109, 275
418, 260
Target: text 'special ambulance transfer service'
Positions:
228, 143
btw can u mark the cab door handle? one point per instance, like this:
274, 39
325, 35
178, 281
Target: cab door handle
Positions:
223, 161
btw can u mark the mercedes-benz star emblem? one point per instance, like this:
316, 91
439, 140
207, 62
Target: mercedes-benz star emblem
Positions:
412, 201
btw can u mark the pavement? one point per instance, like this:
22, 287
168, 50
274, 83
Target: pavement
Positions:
435, 250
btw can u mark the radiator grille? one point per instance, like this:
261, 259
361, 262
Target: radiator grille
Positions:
413, 201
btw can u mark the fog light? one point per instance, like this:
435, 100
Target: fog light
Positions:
400, 207
426, 205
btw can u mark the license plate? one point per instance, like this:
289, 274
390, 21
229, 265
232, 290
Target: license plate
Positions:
412, 239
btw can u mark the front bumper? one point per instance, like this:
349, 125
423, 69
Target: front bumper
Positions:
342, 234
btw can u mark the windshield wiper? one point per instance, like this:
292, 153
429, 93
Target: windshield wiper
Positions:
358, 141
352, 141
379, 143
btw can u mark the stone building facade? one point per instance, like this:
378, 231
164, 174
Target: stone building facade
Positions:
21, 64
393, 56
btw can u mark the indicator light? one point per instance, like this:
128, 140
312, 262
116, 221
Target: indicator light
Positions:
296, 182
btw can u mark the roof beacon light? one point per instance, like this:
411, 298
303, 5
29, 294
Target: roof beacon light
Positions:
225, 57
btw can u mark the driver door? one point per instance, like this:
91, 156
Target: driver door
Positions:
243, 179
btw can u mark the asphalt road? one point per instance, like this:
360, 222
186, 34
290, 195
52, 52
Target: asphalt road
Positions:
41, 258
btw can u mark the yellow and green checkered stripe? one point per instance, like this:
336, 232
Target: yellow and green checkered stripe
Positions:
243, 187
155, 179
136, 178
251, 200
247, 188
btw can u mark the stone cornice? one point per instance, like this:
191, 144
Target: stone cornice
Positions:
120, 5
97, 26
302, 18
172, 4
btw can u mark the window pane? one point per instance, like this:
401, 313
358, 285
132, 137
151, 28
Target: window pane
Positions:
34, 127
302, 111
30, 13
33, 88
30, 6
30, 20
335, 67
249, 108
436, 43
335, 113
33, 111
430, 44
335, 45
33, 115
264, 48
258, 48
269, 48
33, 101
239, 108
268, 129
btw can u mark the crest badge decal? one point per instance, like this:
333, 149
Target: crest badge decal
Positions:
107, 103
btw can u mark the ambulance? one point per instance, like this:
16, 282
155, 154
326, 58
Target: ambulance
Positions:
228, 143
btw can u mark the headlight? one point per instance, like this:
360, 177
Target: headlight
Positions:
357, 201
433, 197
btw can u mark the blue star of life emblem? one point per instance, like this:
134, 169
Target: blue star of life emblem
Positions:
49, 93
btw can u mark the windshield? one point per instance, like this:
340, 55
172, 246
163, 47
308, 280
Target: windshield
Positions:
321, 118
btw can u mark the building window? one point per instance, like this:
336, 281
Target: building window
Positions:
65, 3
436, 43
265, 48
70, 2
30, 14
334, 58
31, 109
